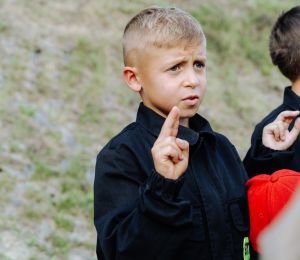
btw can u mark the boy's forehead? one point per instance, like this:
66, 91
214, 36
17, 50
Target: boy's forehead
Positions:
177, 52
147, 56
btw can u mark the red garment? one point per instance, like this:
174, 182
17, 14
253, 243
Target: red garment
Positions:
268, 195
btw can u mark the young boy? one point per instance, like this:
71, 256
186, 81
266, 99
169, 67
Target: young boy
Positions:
285, 53
169, 187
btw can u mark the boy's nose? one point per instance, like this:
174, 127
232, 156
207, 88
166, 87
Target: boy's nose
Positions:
191, 79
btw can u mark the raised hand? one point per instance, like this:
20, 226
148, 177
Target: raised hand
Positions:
277, 136
170, 154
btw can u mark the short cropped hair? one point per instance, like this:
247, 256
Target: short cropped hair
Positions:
284, 43
160, 27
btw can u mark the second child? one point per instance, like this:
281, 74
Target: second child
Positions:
285, 53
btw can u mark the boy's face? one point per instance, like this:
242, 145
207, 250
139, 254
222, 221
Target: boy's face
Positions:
173, 77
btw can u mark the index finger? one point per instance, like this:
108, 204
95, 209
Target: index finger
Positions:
287, 116
170, 126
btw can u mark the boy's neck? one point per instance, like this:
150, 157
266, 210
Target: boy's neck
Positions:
296, 86
184, 122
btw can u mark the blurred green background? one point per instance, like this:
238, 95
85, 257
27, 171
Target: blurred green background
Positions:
62, 97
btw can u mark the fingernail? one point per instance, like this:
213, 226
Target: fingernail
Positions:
283, 138
182, 156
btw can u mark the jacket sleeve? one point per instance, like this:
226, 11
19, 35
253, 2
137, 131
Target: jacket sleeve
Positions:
138, 214
257, 133
263, 160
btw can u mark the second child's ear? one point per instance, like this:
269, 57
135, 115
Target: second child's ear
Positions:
131, 79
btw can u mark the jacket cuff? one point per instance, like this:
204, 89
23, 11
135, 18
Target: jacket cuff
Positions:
158, 183
263, 160
264, 151
159, 199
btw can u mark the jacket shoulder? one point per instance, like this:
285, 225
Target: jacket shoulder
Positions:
222, 139
225, 145
125, 136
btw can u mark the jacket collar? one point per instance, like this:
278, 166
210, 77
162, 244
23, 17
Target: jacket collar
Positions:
199, 126
291, 99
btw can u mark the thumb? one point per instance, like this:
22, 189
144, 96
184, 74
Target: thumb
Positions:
184, 146
296, 129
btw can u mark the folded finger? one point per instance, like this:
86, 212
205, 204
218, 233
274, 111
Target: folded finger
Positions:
274, 130
182, 144
282, 129
170, 152
286, 115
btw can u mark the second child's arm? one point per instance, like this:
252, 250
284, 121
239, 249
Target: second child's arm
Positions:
272, 151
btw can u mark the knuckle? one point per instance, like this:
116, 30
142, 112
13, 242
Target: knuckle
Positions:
171, 139
174, 144
170, 149
154, 155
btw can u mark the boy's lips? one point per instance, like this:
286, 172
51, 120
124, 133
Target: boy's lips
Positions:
191, 100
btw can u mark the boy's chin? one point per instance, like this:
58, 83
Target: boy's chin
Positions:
188, 114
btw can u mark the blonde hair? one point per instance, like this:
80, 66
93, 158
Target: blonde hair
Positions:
160, 27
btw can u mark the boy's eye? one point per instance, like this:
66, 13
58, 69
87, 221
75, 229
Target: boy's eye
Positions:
199, 65
175, 68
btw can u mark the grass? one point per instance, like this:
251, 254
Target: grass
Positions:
31, 213
246, 39
28, 111
64, 223
22, 128
61, 243
7, 182
42, 170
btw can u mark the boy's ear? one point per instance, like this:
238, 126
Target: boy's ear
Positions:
130, 77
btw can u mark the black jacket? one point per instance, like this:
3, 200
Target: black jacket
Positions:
141, 215
291, 101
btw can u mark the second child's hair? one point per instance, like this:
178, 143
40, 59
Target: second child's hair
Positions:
285, 43
160, 27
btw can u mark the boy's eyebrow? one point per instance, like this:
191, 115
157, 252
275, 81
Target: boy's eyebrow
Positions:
201, 58
177, 60
183, 59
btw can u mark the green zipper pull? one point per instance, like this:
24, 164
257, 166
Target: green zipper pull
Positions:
246, 250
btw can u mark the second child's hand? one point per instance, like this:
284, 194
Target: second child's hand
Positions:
170, 154
277, 136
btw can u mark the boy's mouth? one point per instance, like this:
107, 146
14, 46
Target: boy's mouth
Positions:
191, 100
